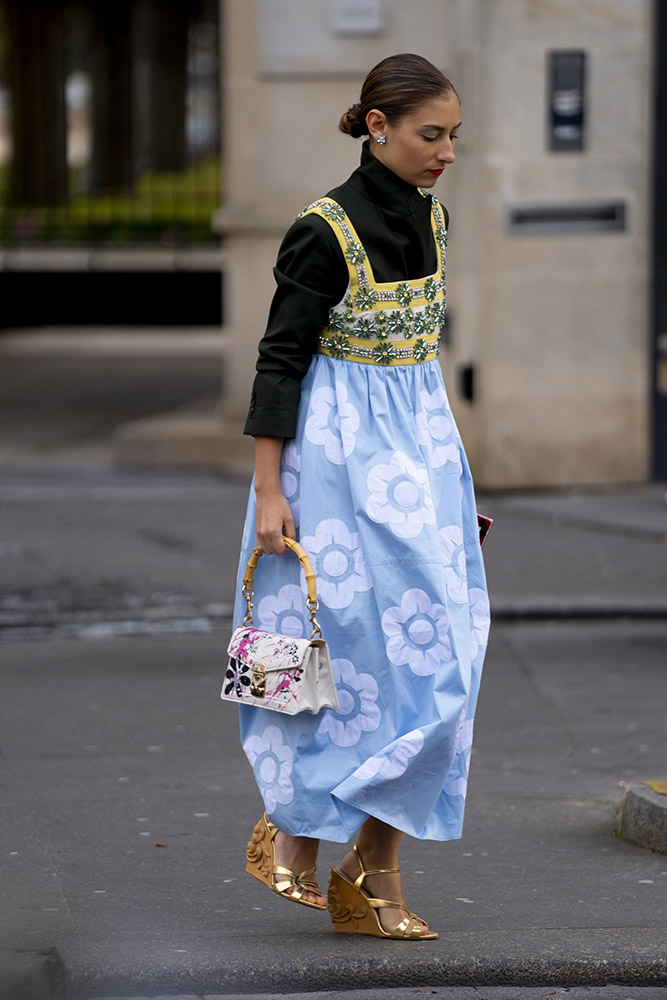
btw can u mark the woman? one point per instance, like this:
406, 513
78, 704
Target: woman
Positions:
358, 453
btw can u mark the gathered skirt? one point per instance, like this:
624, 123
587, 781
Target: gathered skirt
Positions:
383, 503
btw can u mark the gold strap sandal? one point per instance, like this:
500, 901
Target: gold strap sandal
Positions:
262, 865
353, 911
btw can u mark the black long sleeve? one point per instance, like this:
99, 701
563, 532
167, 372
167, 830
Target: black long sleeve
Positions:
311, 277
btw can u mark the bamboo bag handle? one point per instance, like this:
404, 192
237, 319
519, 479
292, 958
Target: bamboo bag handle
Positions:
311, 583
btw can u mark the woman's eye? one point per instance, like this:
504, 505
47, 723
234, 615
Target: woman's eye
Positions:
453, 137
430, 138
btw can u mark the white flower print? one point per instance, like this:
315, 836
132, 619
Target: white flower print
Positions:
284, 612
400, 496
357, 710
435, 429
333, 422
290, 467
271, 760
395, 763
417, 633
480, 619
338, 562
454, 557
457, 779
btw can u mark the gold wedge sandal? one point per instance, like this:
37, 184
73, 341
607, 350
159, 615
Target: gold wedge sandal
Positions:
354, 911
262, 865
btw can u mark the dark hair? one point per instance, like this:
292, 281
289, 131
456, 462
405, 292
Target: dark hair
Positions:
397, 86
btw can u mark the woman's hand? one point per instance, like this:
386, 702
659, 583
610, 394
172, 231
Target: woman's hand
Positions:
273, 520
273, 517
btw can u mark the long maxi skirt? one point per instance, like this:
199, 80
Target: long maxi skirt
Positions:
383, 503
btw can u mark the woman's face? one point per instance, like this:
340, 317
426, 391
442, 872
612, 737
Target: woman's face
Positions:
420, 145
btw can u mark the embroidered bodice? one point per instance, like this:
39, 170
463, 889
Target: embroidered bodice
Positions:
385, 323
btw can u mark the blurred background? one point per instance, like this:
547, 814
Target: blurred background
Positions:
152, 153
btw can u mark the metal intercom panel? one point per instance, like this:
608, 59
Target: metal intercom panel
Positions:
566, 101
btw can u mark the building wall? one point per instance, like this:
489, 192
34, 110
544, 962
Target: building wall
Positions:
561, 324
556, 326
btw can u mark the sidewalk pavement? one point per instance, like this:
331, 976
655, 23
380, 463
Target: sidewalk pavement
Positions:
127, 801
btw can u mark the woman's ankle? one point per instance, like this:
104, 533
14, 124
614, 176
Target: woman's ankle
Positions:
374, 856
378, 844
296, 851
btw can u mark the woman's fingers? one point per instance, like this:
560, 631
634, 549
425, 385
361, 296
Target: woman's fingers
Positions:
288, 525
271, 542
274, 519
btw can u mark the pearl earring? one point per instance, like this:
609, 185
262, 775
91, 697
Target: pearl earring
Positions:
381, 139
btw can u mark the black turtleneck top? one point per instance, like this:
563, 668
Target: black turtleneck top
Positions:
393, 221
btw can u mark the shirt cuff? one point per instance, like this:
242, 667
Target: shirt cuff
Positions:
273, 406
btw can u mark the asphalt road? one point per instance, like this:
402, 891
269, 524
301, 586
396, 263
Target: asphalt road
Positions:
127, 802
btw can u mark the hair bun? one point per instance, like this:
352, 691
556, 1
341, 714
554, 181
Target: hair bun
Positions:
353, 122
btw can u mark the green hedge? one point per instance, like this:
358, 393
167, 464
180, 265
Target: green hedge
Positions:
167, 208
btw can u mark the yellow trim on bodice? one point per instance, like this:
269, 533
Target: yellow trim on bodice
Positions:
384, 323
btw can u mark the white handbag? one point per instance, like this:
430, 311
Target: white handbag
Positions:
275, 671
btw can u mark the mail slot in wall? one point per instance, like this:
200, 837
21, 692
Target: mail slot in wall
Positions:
582, 217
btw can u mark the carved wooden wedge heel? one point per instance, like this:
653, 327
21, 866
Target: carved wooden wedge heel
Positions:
262, 865
354, 911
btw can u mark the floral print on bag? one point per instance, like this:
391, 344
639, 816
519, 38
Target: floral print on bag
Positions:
285, 674
250, 646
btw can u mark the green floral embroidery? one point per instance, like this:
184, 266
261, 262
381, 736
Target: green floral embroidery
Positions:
384, 353
436, 315
365, 328
407, 325
381, 331
404, 295
339, 346
430, 289
420, 350
347, 302
330, 210
365, 298
420, 324
335, 321
430, 313
355, 253
395, 323
441, 237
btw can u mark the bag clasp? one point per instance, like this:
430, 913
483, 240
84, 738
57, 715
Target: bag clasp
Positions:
258, 683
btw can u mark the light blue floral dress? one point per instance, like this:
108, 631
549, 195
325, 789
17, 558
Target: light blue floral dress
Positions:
383, 503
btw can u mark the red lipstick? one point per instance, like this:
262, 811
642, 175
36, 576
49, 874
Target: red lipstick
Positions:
436, 173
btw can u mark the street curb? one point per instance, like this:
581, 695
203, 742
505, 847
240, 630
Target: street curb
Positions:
643, 818
368, 975
42, 977
521, 957
25, 975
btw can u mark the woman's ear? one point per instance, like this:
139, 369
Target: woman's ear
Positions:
377, 123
